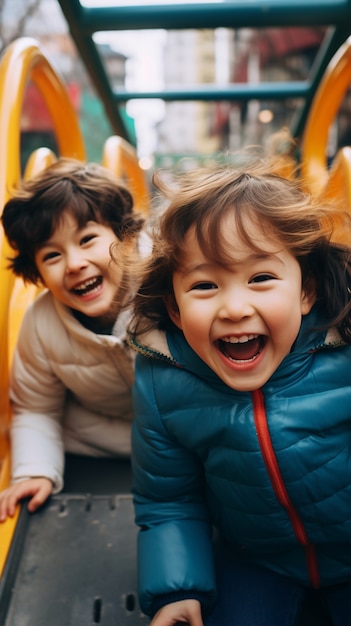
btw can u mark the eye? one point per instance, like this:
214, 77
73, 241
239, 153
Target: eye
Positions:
261, 278
204, 286
49, 256
87, 238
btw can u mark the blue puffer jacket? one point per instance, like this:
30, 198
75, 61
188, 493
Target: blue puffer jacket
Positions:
271, 469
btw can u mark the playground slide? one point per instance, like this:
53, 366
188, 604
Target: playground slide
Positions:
73, 562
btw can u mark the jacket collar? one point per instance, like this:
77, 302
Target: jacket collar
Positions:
172, 347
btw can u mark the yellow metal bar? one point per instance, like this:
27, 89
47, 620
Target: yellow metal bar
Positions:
120, 157
24, 60
22, 295
325, 106
39, 160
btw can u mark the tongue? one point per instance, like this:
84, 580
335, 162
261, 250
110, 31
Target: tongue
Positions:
241, 351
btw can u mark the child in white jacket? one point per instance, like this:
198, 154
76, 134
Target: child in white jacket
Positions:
72, 370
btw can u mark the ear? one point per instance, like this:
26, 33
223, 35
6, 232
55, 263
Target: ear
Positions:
172, 310
308, 296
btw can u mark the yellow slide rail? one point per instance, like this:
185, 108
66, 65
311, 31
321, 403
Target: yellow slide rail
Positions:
333, 183
120, 157
23, 61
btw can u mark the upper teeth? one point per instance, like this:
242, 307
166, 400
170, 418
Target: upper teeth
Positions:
241, 339
87, 283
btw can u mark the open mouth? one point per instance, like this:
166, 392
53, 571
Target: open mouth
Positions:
245, 348
88, 286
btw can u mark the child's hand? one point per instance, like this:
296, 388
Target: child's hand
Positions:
38, 488
185, 611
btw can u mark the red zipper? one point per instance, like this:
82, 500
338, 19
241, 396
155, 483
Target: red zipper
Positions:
278, 485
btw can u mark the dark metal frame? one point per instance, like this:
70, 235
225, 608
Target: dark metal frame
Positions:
83, 22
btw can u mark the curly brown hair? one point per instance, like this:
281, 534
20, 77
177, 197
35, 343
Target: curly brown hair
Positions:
88, 190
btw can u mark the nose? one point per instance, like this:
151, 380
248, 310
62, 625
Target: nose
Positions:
236, 304
75, 260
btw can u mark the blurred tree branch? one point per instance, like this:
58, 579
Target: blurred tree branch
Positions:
9, 33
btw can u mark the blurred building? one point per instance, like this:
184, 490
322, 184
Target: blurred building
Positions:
189, 60
267, 55
48, 25
252, 56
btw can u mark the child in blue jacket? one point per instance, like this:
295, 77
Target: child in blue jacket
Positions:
242, 400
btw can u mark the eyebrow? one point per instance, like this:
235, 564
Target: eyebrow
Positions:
195, 267
251, 258
51, 242
45, 244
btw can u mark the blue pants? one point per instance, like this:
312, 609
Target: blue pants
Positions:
252, 596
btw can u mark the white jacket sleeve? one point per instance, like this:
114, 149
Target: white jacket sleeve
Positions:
38, 398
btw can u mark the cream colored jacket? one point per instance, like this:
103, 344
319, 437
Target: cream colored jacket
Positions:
70, 391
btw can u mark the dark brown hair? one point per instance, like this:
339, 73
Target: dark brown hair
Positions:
88, 191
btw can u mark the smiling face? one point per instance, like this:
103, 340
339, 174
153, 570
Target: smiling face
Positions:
243, 317
75, 264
